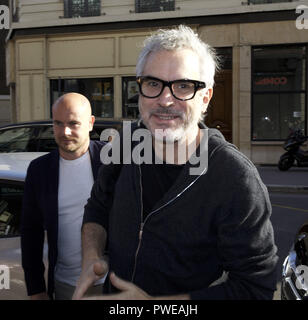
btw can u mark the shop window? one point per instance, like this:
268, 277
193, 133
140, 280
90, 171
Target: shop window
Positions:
98, 91
154, 5
81, 8
130, 98
278, 91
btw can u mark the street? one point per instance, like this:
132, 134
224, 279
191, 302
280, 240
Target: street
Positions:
290, 211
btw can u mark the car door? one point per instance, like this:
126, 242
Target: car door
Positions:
11, 193
12, 284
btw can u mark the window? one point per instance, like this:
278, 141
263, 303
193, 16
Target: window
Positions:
267, 1
130, 98
278, 91
154, 5
98, 91
224, 56
82, 8
18, 139
46, 141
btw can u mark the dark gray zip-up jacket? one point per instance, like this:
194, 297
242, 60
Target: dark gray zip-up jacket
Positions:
204, 225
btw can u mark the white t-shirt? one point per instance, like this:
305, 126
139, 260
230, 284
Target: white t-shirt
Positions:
75, 184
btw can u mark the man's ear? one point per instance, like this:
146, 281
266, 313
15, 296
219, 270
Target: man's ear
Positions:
92, 120
207, 98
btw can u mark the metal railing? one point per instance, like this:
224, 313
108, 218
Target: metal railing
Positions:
154, 5
82, 8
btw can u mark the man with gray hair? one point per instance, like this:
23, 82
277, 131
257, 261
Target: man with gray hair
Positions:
170, 234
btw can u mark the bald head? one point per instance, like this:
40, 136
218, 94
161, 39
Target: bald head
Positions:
72, 122
73, 100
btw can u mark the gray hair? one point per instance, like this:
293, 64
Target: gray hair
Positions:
180, 38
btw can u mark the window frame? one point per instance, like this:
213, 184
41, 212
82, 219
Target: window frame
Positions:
126, 79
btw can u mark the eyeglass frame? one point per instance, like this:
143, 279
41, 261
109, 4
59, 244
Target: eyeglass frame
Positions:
198, 85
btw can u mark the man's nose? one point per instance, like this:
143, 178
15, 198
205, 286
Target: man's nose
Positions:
166, 98
67, 130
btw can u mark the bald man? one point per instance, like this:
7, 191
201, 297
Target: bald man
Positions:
56, 189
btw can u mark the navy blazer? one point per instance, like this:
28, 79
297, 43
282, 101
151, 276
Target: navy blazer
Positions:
40, 214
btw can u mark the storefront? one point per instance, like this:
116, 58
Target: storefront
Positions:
278, 95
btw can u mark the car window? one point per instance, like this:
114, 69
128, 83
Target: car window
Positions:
46, 142
10, 208
95, 133
17, 139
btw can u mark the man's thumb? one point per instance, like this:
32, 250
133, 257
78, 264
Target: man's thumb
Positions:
100, 268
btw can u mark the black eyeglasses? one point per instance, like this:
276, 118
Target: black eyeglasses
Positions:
182, 89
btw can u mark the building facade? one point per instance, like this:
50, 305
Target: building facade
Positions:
5, 110
91, 47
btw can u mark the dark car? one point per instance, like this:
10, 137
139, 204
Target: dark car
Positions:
37, 136
294, 285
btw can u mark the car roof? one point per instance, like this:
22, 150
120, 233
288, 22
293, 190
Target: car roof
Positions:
13, 166
98, 122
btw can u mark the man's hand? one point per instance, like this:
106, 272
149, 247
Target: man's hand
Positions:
129, 291
94, 271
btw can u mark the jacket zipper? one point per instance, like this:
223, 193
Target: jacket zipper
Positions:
141, 225
150, 214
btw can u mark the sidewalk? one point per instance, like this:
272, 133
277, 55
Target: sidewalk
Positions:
293, 180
